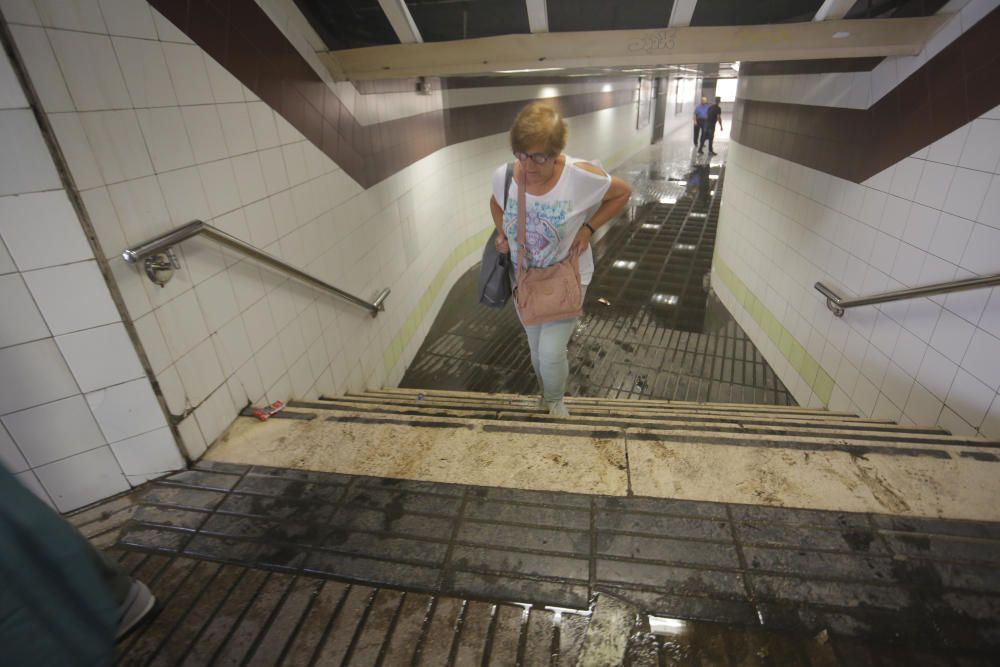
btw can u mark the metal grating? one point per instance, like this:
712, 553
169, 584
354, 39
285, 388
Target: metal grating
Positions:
630, 343
229, 545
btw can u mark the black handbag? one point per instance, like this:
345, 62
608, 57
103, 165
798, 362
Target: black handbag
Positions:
494, 272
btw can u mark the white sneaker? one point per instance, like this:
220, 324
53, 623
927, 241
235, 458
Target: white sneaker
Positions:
138, 603
558, 409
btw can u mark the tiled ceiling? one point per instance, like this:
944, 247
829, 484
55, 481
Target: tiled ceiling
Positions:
753, 12
346, 24
570, 15
443, 20
349, 24
864, 9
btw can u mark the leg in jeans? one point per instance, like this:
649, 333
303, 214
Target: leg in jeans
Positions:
552, 359
547, 343
534, 331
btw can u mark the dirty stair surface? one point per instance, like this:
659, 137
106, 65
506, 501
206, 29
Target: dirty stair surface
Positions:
771, 518
774, 455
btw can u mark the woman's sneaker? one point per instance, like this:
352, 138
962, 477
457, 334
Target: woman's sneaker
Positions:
137, 605
558, 409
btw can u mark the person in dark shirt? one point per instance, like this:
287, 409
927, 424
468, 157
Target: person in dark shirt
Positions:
713, 115
62, 602
700, 112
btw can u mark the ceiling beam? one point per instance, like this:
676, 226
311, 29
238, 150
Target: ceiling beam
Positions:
681, 13
833, 10
401, 21
642, 48
538, 16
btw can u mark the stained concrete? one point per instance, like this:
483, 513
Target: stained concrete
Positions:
846, 473
434, 449
956, 488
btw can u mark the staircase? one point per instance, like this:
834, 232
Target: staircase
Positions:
780, 456
763, 518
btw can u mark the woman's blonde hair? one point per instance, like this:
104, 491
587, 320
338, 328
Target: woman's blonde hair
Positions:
538, 124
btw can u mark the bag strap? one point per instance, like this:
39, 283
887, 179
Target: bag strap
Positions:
521, 231
506, 182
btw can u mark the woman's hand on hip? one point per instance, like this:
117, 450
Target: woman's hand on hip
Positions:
581, 242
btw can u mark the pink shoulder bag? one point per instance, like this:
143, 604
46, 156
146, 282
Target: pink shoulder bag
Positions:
545, 294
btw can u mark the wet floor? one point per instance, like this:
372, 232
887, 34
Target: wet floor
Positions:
224, 548
652, 328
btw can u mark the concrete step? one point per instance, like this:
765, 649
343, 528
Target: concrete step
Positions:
607, 407
597, 410
481, 397
865, 434
619, 406
808, 471
764, 435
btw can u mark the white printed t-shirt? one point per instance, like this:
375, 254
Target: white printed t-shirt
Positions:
553, 219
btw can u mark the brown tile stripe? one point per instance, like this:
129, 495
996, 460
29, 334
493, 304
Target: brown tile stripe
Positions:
408, 85
824, 66
241, 37
955, 87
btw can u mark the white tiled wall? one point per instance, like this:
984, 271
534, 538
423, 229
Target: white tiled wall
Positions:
932, 217
78, 418
156, 133
860, 90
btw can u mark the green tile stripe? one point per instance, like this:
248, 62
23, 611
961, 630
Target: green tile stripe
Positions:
630, 149
473, 244
797, 355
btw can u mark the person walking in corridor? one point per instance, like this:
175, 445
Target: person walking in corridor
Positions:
566, 201
712, 116
700, 115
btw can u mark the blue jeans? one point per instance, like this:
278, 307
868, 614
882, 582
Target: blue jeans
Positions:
548, 342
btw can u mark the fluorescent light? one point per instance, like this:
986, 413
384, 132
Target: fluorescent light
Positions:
714, 177
648, 225
524, 71
669, 626
622, 264
666, 299
668, 200
606, 88
697, 215
683, 246
567, 610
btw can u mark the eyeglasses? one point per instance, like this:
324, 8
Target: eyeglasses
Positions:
537, 158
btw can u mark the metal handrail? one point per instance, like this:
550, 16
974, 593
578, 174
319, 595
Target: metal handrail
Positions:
838, 304
160, 261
